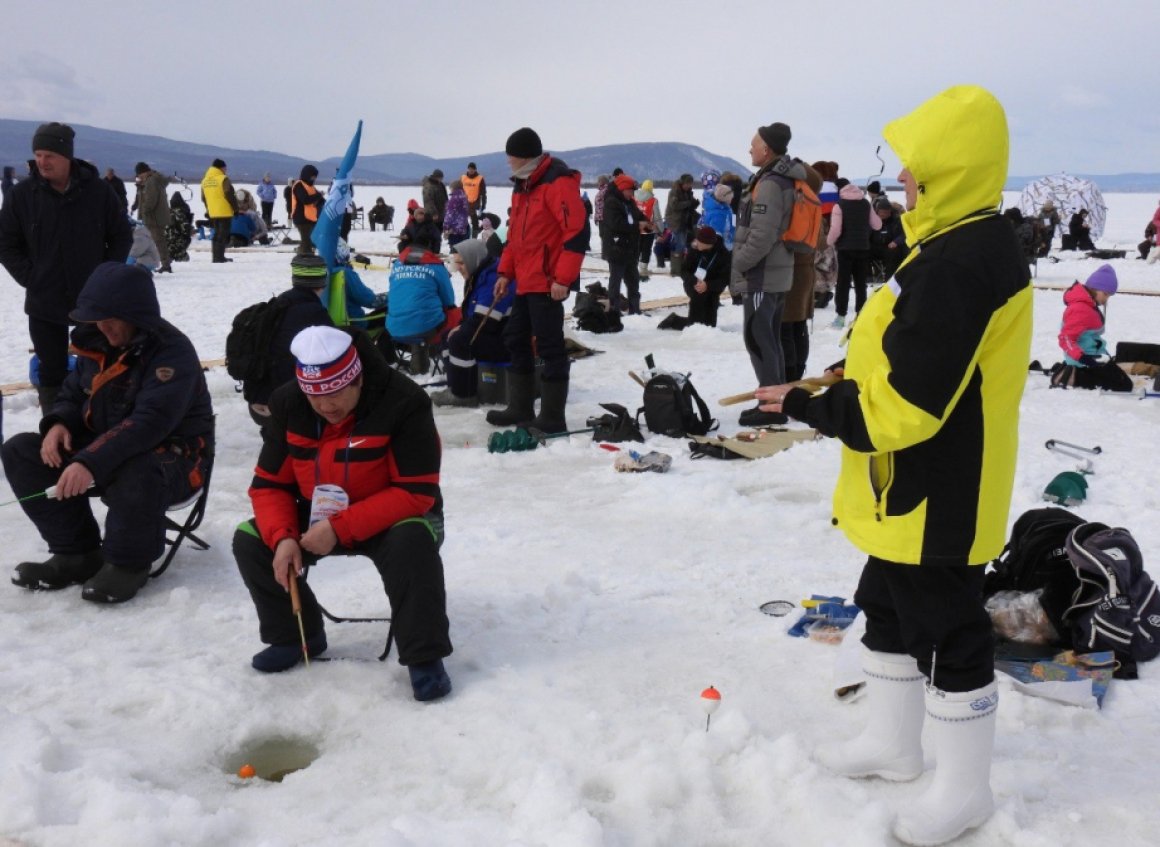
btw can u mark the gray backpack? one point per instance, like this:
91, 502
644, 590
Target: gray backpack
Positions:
1116, 606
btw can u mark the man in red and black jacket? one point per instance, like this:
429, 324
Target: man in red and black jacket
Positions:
547, 238
349, 466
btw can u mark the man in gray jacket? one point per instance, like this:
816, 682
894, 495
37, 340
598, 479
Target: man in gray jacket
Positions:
762, 264
153, 207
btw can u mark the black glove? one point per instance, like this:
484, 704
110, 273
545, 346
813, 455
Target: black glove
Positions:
1088, 361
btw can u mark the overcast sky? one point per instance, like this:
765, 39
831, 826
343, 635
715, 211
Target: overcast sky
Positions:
1079, 80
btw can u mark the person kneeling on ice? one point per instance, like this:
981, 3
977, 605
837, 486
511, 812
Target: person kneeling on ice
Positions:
481, 332
1081, 336
133, 424
928, 417
349, 466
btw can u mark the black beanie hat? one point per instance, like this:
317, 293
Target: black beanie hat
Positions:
524, 144
218, 163
308, 172
141, 168
776, 136
308, 271
54, 137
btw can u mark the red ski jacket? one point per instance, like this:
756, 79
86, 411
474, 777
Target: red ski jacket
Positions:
385, 456
548, 232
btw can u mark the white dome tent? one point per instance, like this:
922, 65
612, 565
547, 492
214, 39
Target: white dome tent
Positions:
1070, 194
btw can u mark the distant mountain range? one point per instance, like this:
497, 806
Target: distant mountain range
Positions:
663, 161
122, 150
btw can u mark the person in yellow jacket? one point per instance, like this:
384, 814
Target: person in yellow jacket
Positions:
217, 193
928, 415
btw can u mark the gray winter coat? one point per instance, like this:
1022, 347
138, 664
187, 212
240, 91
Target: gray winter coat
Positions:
153, 201
761, 262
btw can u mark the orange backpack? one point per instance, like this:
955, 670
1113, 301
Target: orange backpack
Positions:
805, 221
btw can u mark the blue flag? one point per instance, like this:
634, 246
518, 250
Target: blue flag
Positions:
325, 234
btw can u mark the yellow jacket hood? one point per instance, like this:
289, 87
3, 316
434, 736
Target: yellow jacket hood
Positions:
956, 146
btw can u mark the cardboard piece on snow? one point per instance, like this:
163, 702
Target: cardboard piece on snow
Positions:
759, 443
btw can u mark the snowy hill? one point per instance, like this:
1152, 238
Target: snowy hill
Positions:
122, 150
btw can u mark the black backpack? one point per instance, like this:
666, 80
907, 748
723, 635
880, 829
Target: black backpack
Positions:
1116, 605
249, 358
590, 313
1036, 558
673, 407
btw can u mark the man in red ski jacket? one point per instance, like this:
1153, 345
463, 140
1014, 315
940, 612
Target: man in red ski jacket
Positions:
547, 238
349, 466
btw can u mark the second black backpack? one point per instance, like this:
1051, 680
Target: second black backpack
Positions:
1036, 558
248, 354
673, 407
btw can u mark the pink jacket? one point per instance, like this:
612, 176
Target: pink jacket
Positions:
1083, 325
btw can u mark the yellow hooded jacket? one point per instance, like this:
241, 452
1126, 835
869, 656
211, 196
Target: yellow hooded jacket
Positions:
929, 411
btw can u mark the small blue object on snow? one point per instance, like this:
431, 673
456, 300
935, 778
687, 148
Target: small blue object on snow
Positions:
830, 612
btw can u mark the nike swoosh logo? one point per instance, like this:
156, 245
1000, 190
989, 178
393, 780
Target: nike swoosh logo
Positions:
357, 443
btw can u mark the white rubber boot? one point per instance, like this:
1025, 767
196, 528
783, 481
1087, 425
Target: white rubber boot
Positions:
891, 744
959, 797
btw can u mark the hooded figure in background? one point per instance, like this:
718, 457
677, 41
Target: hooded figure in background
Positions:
305, 203
928, 462
133, 423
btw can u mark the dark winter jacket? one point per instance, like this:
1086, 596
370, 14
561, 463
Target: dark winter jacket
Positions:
434, 198
118, 186
891, 233
303, 309
415, 232
306, 200
381, 213
680, 209
716, 261
622, 220
151, 395
385, 456
851, 221
548, 233
50, 242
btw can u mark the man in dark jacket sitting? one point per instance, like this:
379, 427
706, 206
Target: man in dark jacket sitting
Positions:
133, 423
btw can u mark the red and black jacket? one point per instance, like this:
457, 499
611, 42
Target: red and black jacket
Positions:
548, 233
385, 457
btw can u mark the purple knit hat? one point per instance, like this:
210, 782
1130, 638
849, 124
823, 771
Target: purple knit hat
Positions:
1103, 278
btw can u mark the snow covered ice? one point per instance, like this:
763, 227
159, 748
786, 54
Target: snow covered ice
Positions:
588, 609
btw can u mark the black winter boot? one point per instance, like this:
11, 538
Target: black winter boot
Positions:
60, 571
553, 398
521, 406
114, 585
676, 264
